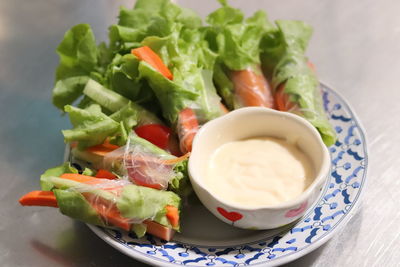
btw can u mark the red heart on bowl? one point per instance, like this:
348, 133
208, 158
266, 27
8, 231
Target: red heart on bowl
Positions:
233, 216
298, 211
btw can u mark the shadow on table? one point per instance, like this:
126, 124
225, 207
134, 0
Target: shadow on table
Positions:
80, 246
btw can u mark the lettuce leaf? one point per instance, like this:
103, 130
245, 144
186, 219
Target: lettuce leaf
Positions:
77, 52
301, 83
291, 35
187, 55
72, 204
56, 171
91, 126
142, 203
68, 90
237, 40
114, 102
123, 78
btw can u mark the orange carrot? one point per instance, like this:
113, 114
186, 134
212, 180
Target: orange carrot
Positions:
102, 149
146, 54
251, 88
39, 198
102, 173
85, 179
159, 230
187, 129
172, 215
89, 180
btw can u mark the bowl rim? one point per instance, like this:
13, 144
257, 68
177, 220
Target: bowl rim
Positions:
319, 179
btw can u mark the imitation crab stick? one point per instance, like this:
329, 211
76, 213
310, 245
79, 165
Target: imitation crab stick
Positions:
159, 230
146, 54
39, 198
251, 88
282, 100
108, 211
188, 126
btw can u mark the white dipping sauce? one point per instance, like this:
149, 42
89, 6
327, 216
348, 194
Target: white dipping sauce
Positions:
258, 172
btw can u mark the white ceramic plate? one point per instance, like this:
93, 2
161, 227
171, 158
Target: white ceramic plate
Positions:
206, 241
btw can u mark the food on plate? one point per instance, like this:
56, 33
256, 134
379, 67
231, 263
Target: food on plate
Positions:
136, 103
257, 172
294, 82
238, 75
106, 202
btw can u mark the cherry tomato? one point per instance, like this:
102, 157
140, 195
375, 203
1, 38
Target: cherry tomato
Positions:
156, 134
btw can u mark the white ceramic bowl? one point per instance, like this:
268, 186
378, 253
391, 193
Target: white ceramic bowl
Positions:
255, 122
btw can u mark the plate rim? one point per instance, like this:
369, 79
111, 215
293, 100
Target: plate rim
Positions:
280, 260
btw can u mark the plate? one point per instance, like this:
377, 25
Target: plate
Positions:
206, 241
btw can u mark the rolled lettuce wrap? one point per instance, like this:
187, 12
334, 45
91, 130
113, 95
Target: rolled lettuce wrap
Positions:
295, 85
237, 75
108, 203
178, 65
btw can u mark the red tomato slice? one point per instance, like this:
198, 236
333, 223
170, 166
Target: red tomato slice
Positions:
156, 134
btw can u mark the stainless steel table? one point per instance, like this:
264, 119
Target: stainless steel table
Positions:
356, 48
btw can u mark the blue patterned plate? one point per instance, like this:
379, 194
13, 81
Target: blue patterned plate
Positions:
206, 241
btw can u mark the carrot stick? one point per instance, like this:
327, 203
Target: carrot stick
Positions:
187, 129
39, 198
146, 54
251, 88
102, 173
80, 178
172, 215
102, 149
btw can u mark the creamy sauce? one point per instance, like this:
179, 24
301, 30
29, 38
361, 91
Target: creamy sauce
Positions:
258, 172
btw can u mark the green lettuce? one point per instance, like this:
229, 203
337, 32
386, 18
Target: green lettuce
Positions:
68, 90
135, 202
301, 83
114, 102
77, 52
56, 171
190, 60
142, 203
91, 126
237, 40
290, 35
72, 204
123, 78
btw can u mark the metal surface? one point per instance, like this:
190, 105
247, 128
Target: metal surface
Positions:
355, 48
